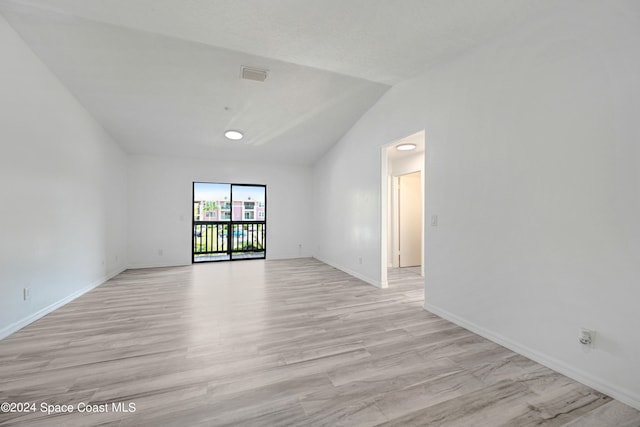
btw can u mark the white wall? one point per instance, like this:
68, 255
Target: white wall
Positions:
533, 166
406, 165
160, 201
62, 191
346, 207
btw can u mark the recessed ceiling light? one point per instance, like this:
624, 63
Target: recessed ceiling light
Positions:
406, 147
233, 134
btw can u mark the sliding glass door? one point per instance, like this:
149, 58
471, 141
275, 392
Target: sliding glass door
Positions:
229, 221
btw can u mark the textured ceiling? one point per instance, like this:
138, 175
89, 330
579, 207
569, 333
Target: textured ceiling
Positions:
162, 76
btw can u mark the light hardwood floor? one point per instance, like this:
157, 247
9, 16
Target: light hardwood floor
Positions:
271, 343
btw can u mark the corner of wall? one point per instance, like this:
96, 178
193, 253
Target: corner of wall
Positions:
16, 326
625, 396
366, 279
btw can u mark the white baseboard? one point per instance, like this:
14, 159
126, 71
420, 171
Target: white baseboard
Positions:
140, 266
283, 256
16, 326
350, 272
625, 396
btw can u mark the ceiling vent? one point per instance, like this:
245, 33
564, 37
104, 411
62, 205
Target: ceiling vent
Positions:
254, 74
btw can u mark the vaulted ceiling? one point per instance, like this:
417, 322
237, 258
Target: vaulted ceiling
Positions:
163, 76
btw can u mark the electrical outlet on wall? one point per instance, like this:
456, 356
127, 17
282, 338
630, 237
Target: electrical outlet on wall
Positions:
586, 337
26, 293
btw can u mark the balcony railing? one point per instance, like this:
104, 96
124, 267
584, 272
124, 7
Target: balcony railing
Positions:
214, 239
210, 237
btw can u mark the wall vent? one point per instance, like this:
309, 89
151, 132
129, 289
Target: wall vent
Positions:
256, 74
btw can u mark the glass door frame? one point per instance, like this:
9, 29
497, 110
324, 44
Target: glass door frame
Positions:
240, 237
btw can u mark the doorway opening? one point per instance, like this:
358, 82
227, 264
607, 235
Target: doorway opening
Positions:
229, 222
403, 217
406, 221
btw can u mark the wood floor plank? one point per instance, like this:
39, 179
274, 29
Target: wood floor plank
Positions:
278, 343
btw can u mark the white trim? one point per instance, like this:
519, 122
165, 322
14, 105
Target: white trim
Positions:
369, 280
141, 266
16, 326
625, 396
384, 214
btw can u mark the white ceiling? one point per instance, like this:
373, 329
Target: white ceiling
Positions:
163, 76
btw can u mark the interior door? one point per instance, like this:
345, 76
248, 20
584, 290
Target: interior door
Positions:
410, 219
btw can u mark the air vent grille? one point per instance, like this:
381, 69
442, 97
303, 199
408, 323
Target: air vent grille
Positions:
255, 74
